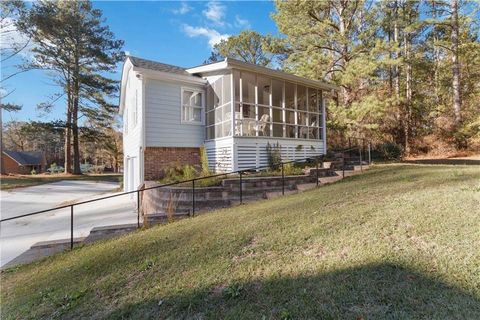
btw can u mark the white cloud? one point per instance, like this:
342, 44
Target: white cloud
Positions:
241, 23
11, 38
213, 35
184, 8
215, 12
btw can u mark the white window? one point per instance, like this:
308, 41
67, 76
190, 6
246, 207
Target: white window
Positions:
192, 106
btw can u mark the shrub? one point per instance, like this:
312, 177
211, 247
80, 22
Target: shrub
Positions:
274, 155
291, 169
33, 172
390, 151
188, 172
204, 161
54, 168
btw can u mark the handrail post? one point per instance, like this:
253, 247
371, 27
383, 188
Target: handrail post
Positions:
193, 197
317, 169
241, 191
138, 209
360, 152
369, 154
71, 227
283, 181
349, 145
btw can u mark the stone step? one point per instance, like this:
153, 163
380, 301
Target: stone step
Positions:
250, 190
266, 181
108, 232
276, 194
162, 217
187, 204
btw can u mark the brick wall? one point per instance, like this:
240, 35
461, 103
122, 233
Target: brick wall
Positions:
10, 166
159, 158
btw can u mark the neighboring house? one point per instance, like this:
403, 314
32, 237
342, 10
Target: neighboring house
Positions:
170, 112
23, 162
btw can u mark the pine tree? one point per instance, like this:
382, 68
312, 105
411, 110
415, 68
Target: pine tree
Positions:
248, 46
72, 40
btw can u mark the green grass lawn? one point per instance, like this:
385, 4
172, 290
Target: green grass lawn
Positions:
398, 242
19, 181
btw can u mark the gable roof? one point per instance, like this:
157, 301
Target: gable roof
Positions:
25, 158
157, 66
229, 63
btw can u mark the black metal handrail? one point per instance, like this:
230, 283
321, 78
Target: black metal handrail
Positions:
192, 181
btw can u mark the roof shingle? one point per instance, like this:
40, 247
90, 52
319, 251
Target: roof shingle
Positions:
26, 158
157, 66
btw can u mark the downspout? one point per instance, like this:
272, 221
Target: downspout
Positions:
324, 125
143, 139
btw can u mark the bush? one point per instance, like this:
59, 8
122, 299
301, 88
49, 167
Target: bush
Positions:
189, 172
204, 161
291, 169
389, 151
274, 155
33, 172
55, 169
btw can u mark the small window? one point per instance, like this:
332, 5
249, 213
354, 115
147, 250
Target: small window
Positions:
192, 106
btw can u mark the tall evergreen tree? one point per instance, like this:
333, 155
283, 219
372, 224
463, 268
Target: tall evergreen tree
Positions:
332, 40
248, 46
72, 41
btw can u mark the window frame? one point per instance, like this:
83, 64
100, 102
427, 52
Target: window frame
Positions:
183, 106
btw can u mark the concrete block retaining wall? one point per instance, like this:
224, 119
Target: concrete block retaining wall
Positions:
157, 201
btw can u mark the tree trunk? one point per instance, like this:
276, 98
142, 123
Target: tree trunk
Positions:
408, 86
76, 102
457, 102
68, 137
436, 56
76, 144
396, 70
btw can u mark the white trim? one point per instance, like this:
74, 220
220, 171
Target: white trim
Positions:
143, 133
202, 107
229, 63
324, 125
160, 75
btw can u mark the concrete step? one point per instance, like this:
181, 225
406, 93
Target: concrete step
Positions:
163, 217
307, 186
276, 194
107, 232
250, 190
266, 181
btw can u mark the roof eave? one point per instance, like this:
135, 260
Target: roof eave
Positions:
160, 75
229, 63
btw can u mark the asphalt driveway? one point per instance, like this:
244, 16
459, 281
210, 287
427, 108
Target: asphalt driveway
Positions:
18, 235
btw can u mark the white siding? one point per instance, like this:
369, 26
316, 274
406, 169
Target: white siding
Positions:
220, 154
242, 153
252, 152
163, 117
133, 133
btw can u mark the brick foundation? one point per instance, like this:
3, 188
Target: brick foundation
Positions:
159, 158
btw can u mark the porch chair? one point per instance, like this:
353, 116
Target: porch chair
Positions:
262, 124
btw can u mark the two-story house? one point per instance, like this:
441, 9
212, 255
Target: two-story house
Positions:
232, 108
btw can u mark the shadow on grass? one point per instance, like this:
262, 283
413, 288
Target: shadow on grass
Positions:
383, 291
444, 161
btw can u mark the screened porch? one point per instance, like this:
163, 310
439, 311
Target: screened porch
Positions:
263, 107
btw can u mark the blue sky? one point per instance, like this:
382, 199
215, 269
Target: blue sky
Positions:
174, 32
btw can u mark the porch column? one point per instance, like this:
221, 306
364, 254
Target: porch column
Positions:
324, 126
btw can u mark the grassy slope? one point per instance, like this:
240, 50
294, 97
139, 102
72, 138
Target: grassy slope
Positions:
19, 181
397, 242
